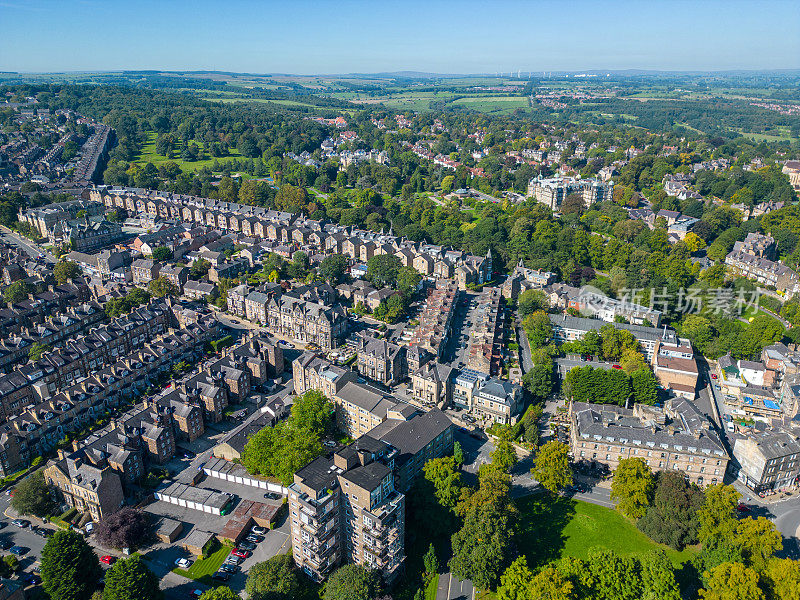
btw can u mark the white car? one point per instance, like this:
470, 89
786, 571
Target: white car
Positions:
183, 563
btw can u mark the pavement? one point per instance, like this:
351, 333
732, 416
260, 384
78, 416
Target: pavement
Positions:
27, 245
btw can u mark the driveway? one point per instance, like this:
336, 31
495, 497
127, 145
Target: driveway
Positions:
452, 588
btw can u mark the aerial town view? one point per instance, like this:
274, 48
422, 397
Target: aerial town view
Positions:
399, 301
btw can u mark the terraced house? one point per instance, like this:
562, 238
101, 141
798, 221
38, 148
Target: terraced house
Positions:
73, 406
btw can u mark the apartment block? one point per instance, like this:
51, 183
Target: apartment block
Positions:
676, 437
381, 360
768, 460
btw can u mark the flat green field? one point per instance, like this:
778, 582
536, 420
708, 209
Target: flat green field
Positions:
492, 103
149, 155
551, 528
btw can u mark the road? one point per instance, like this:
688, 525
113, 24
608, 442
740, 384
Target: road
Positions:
25, 244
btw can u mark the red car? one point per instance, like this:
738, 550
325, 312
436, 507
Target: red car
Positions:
713, 376
743, 508
107, 559
240, 553
615, 367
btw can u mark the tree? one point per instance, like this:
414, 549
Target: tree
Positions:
162, 253
550, 583
551, 468
732, 581
431, 562
504, 454
17, 292
782, 578
758, 541
37, 350
672, 517
274, 579
70, 568
516, 581
445, 476
161, 286
539, 380
65, 271
717, 516
482, 545
382, 270
199, 268
352, 582
126, 528
538, 328
220, 593
408, 278
130, 579
458, 453
333, 268
33, 497
531, 301
632, 487
658, 577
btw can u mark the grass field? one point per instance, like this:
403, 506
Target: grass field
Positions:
550, 529
492, 103
148, 154
202, 570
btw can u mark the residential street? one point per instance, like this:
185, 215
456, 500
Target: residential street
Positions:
28, 246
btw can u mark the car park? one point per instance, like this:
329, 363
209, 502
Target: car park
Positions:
273, 496
229, 568
246, 546
256, 530
42, 532
107, 559
18, 550
5, 545
233, 559
240, 553
221, 576
254, 539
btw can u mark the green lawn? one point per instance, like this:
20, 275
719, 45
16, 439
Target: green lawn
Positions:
148, 154
430, 591
551, 528
202, 570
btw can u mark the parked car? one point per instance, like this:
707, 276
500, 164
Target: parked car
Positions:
616, 367
5, 544
183, 563
246, 546
107, 559
43, 532
21, 523
256, 530
188, 454
273, 496
743, 508
254, 539
195, 594
18, 550
30, 579
221, 576
229, 568
233, 560
713, 376
240, 553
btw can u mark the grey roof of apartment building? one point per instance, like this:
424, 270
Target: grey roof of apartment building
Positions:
409, 437
604, 421
638, 331
366, 397
368, 476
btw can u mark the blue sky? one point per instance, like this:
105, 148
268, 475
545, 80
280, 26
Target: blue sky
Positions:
342, 36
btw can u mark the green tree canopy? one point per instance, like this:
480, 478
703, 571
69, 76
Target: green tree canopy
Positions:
65, 271
352, 582
551, 467
732, 581
274, 579
161, 286
382, 270
130, 579
32, 496
717, 516
333, 268
70, 568
632, 487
